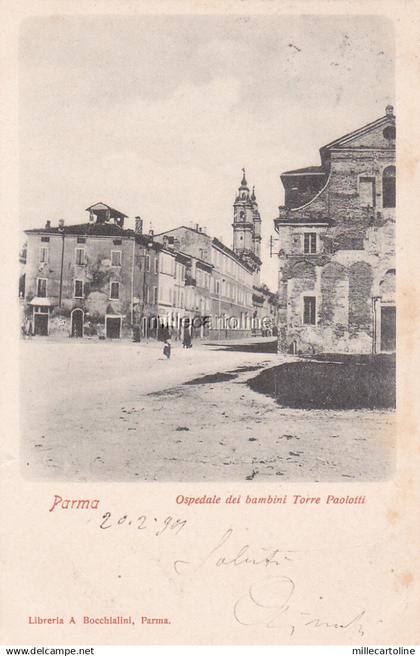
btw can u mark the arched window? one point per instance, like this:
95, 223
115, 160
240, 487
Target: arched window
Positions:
388, 187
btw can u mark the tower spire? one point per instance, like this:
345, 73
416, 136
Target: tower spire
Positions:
243, 181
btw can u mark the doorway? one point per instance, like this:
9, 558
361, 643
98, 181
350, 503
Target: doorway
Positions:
388, 328
77, 317
113, 327
41, 324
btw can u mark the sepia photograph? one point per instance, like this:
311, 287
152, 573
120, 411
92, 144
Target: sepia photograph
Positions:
207, 260
209, 438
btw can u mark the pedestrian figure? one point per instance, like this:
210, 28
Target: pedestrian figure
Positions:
186, 341
136, 333
167, 349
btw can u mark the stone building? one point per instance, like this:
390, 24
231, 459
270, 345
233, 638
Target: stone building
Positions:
336, 234
223, 282
93, 278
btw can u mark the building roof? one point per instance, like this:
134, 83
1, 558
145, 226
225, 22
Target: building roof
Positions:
43, 301
344, 140
230, 252
388, 119
215, 241
100, 207
307, 170
97, 229
197, 232
107, 229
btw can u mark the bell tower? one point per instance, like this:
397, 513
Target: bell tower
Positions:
257, 225
247, 227
243, 220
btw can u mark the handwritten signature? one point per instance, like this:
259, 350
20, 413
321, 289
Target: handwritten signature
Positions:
267, 602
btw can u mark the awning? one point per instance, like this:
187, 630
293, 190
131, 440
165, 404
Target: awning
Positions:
43, 301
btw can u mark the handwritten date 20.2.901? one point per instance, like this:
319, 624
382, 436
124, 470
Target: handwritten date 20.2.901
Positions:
143, 523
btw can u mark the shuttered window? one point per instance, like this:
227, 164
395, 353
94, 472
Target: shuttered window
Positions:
309, 242
78, 288
42, 287
115, 290
309, 309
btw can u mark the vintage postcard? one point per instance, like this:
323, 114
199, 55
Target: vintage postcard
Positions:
211, 323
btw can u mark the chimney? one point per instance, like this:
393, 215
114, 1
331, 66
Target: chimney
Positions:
138, 226
200, 229
196, 227
389, 110
48, 225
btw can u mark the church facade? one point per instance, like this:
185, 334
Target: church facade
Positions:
336, 235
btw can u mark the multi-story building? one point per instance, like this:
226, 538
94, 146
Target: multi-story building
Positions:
266, 305
91, 278
337, 246
220, 281
97, 278
218, 284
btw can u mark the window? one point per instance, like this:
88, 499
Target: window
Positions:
45, 239
116, 258
309, 242
80, 256
81, 240
309, 309
156, 264
42, 287
147, 263
43, 256
155, 295
356, 243
115, 291
367, 192
388, 187
78, 289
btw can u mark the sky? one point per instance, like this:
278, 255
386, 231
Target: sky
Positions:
156, 116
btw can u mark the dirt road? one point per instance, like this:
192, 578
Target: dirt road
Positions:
122, 412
